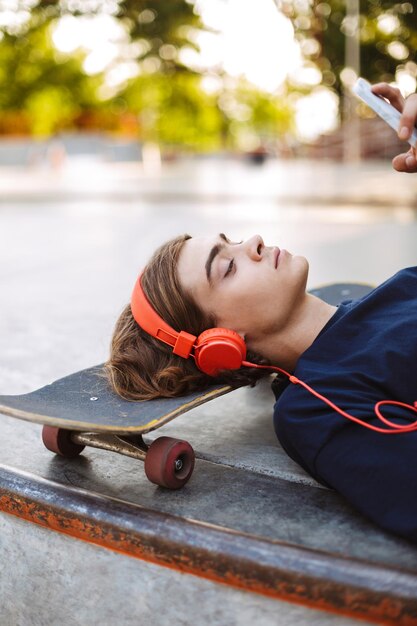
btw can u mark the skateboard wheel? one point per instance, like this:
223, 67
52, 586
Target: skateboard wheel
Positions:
169, 462
59, 440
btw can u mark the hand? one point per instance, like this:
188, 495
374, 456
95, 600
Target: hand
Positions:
406, 162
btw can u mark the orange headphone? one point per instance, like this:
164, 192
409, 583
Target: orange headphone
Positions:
220, 348
215, 349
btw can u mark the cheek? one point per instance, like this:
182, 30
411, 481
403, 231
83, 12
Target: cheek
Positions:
242, 313
228, 310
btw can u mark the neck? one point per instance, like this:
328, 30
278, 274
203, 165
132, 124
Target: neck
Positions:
283, 347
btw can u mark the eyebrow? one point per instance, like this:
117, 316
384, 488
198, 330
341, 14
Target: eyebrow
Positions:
213, 253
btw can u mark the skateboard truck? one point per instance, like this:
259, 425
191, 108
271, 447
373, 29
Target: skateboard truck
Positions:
168, 462
81, 410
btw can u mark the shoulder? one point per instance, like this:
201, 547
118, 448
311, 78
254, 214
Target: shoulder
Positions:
402, 284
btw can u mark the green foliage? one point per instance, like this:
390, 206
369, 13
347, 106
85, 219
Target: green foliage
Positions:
47, 90
387, 35
174, 110
252, 118
43, 91
382, 50
48, 109
166, 27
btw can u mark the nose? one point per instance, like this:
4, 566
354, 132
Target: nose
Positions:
254, 247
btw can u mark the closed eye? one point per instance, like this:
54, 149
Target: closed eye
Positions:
230, 267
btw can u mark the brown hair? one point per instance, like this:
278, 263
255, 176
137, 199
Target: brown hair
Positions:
141, 367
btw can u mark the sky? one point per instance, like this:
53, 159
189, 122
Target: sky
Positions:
254, 39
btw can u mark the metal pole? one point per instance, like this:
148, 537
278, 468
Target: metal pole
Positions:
351, 135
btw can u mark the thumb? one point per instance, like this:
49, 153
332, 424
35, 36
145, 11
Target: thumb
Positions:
408, 117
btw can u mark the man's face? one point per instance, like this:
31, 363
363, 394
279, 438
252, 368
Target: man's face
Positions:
248, 287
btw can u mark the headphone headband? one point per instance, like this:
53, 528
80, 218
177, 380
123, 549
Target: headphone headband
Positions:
213, 350
148, 319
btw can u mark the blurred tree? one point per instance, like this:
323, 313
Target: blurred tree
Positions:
162, 96
162, 30
253, 118
40, 90
166, 95
174, 110
172, 106
387, 35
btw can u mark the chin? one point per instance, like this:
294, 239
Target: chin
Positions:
302, 268
301, 262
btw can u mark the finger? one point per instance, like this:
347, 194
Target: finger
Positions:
405, 162
408, 117
392, 94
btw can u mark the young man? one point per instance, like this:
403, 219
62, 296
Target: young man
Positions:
357, 354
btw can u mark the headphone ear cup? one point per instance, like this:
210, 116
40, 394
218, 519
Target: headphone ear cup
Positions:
219, 349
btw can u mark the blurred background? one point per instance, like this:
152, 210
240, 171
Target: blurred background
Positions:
203, 76
126, 122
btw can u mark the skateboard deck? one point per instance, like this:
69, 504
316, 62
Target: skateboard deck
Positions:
338, 292
83, 401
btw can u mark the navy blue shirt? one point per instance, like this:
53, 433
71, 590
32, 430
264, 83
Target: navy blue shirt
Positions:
367, 352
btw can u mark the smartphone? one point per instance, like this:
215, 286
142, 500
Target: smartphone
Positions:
384, 109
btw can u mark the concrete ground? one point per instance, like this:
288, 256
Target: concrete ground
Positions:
72, 242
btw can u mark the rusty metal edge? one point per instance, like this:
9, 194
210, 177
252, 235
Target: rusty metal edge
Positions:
303, 576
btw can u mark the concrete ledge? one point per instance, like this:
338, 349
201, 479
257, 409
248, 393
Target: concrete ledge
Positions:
310, 577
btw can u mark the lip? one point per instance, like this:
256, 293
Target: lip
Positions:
277, 253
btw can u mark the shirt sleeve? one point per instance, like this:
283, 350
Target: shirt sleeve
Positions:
376, 473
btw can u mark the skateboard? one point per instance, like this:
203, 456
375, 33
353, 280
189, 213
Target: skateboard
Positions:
80, 410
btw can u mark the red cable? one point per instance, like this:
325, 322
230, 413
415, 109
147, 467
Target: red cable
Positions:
395, 428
